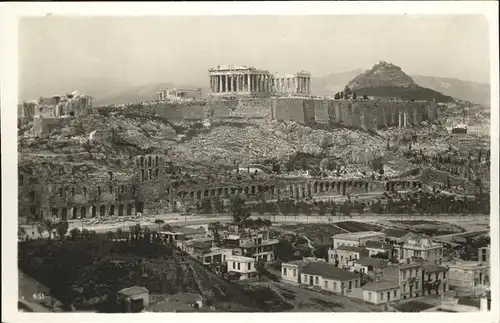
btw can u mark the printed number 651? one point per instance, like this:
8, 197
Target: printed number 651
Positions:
38, 296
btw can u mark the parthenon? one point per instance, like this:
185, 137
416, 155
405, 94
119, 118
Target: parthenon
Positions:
247, 80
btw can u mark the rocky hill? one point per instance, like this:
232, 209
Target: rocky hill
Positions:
388, 80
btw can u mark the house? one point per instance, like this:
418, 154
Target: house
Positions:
258, 245
356, 239
244, 266
133, 299
381, 292
216, 256
290, 271
408, 276
468, 276
345, 254
397, 235
183, 234
434, 279
424, 248
197, 248
368, 265
324, 276
379, 247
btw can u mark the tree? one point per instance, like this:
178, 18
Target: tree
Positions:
284, 250
119, 233
337, 96
354, 96
218, 205
75, 233
157, 221
206, 206
62, 229
49, 226
322, 209
365, 97
347, 91
239, 211
167, 227
40, 228
261, 268
110, 235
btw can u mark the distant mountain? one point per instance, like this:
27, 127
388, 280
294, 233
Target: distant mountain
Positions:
332, 83
478, 93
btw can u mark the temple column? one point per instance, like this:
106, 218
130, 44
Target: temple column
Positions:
219, 83
238, 84
248, 82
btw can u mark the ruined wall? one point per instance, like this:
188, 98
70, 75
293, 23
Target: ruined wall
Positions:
321, 109
309, 111
289, 109
256, 108
43, 125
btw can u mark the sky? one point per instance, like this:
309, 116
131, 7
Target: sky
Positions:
63, 54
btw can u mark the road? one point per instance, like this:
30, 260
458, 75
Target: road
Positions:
179, 220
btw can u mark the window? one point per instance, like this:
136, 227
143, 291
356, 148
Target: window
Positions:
370, 296
350, 285
142, 175
334, 285
150, 173
404, 288
444, 275
156, 173
316, 280
284, 271
395, 293
295, 273
416, 285
356, 283
381, 296
72, 191
156, 161
98, 190
249, 266
234, 265
326, 283
238, 266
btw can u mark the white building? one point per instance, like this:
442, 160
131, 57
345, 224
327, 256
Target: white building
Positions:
469, 276
381, 292
321, 275
290, 271
424, 248
242, 265
356, 239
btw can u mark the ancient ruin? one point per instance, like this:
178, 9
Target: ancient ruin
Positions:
247, 80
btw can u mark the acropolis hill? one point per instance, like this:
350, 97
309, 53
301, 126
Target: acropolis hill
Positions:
82, 160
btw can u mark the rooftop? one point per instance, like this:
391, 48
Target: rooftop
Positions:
134, 290
380, 286
351, 248
430, 267
375, 262
240, 259
357, 235
328, 271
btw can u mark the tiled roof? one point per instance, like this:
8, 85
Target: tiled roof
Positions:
380, 286
375, 262
395, 233
328, 271
351, 248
